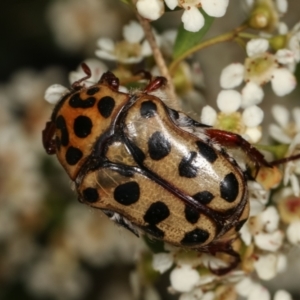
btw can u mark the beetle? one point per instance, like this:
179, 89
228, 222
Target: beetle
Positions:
150, 168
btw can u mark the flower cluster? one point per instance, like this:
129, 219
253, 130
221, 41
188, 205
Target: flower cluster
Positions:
192, 18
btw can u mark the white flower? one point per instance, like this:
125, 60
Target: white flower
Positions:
247, 124
150, 9
262, 67
285, 130
192, 18
131, 50
184, 278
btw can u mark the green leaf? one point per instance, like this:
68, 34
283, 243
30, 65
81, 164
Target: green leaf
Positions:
185, 40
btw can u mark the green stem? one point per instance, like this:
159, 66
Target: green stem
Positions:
247, 35
219, 39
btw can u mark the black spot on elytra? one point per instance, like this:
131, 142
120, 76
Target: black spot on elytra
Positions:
73, 155
82, 126
90, 195
157, 212
158, 146
92, 91
207, 151
61, 124
191, 214
188, 166
229, 187
204, 197
153, 230
76, 102
106, 105
127, 193
148, 109
240, 224
195, 237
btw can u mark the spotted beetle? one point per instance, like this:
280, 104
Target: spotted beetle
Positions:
150, 168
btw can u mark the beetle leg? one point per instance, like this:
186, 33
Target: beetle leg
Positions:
284, 160
224, 247
86, 69
229, 139
155, 84
47, 137
110, 79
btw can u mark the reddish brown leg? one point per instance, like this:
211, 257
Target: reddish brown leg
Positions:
229, 139
110, 79
155, 84
224, 247
284, 160
47, 137
86, 69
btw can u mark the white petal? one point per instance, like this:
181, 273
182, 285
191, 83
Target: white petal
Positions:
162, 262
229, 101
259, 292
285, 56
252, 116
215, 8
245, 286
150, 9
133, 32
278, 134
245, 234
105, 55
184, 279
283, 82
282, 6
192, 19
146, 49
282, 28
257, 46
270, 218
171, 3
208, 115
281, 263
254, 134
269, 241
54, 93
232, 76
281, 115
106, 44
252, 94
293, 233
295, 184
282, 295
266, 266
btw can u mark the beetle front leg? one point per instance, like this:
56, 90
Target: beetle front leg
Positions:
231, 140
